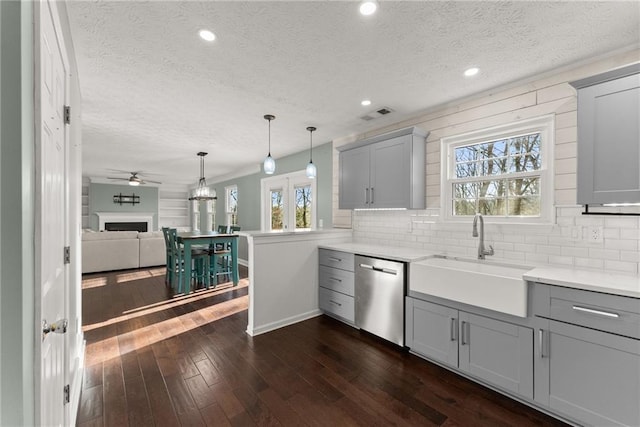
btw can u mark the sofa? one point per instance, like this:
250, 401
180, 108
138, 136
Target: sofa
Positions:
119, 250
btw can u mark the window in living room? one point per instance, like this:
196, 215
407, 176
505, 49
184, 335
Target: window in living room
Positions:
231, 204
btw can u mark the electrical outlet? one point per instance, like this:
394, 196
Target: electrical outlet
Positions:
594, 235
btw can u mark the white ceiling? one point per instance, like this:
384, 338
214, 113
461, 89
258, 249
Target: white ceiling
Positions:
154, 93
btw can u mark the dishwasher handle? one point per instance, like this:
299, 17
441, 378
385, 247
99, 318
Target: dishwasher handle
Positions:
379, 269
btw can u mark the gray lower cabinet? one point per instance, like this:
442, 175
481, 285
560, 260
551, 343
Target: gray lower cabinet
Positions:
589, 375
336, 284
587, 355
494, 351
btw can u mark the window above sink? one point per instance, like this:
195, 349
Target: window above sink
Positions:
504, 172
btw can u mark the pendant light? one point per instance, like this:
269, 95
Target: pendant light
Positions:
269, 163
202, 192
311, 168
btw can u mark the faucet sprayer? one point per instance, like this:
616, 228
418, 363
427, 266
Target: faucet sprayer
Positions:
482, 252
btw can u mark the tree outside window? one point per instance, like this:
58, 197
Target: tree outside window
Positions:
503, 172
231, 205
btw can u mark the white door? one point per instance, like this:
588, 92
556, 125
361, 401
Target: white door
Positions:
51, 227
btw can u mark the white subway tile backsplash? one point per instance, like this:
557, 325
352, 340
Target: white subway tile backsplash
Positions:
575, 252
625, 245
621, 266
609, 254
630, 256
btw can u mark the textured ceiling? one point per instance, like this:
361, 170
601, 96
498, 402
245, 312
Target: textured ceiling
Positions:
154, 94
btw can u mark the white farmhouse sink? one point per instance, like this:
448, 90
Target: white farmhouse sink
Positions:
497, 287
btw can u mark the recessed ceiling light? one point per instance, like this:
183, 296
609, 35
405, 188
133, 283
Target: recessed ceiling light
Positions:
207, 35
368, 7
365, 102
471, 71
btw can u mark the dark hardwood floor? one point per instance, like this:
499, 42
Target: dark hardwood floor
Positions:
156, 360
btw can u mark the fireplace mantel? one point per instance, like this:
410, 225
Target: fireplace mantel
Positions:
104, 217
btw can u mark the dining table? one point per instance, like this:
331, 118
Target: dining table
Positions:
190, 239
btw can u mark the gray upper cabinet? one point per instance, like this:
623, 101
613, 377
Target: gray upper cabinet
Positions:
609, 137
386, 171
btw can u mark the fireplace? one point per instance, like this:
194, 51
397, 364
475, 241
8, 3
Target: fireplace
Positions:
119, 220
125, 226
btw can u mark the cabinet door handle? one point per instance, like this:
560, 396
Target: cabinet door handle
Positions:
366, 196
541, 342
371, 195
598, 312
454, 329
462, 333
336, 303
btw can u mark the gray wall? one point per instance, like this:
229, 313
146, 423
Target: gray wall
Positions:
17, 207
249, 190
101, 200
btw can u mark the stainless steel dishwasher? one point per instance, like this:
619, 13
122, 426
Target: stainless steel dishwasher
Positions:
379, 297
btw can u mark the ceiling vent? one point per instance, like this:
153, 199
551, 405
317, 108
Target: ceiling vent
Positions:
377, 113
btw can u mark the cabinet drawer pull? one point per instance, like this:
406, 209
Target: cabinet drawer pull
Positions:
335, 279
598, 312
454, 329
336, 303
462, 333
335, 259
541, 342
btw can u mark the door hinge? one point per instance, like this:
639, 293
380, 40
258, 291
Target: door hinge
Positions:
67, 394
67, 254
67, 115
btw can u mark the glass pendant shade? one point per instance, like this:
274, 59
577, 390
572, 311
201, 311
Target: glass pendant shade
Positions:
312, 171
269, 165
202, 191
269, 162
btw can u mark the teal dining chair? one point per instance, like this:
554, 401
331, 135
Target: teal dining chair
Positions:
220, 257
200, 260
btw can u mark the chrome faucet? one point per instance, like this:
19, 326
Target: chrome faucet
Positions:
482, 252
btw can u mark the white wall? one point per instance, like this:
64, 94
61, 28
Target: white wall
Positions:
563, 243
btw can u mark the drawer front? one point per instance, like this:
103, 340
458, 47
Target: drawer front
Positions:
336, 279
336, 303
610, 313
336, 259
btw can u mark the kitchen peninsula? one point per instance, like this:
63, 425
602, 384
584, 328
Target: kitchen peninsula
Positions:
283, 275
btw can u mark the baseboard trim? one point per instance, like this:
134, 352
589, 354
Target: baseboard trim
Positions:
283, 322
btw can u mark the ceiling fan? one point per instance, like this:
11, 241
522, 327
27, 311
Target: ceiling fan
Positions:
134, 179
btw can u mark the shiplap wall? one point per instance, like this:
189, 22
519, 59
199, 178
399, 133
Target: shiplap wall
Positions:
563, 243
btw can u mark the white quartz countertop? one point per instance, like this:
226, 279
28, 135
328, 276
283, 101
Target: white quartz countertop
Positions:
597, 281
610, 283
381, 251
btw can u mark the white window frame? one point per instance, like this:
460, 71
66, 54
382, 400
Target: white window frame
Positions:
228, 213
545, 125
288, 183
